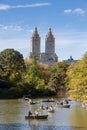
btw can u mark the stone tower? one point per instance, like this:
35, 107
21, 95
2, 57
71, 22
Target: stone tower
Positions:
35, 44
49, 42
48, 57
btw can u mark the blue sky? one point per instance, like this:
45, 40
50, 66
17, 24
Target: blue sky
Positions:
67, 19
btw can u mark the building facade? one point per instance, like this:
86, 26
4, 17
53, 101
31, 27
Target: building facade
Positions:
49, 57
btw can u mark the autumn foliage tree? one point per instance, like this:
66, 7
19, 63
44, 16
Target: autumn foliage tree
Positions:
77, 79
58, 74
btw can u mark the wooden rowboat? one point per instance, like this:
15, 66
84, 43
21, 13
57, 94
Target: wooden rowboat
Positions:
48, 100
51, 111
63, 106
33, 103
36, 117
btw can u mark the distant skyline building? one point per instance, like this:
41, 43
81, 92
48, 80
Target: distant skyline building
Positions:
49, 57
70, 60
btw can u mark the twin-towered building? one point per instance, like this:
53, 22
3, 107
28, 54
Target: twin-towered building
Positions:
49, 56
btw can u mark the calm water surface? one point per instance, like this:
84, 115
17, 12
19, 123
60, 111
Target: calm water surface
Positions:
12, 117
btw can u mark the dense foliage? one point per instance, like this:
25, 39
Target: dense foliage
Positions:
11, 63
77, 79
58, 75
11, 68
18, 78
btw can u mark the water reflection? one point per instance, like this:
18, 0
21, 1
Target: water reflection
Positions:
78, 116
37, 127
12, 117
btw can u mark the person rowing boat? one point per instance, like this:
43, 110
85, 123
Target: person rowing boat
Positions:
29, 113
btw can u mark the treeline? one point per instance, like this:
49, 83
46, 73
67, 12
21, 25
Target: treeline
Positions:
20, 77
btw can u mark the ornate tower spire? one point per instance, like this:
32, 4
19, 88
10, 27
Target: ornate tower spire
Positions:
49, 35
35, 33
49, 42
35, 43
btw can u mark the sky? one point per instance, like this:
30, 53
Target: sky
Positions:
66, 18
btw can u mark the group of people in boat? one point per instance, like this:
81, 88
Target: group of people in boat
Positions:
62, 102
31, 101
46, 107
35, 113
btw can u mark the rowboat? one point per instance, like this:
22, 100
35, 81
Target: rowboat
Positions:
48, 100
51, 110
33, 103
63, 106
36, 117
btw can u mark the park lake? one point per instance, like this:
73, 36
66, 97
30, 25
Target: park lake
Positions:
12, 116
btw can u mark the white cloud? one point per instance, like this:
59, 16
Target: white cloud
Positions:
6, 7
67, 11
32, 5
77, 11
10, 27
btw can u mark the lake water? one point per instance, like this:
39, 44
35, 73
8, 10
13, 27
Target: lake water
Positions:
12, 117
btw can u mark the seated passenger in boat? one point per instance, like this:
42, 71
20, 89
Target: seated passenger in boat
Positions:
47, 107
57, 103
30, 100
51, 107
42, 107
36, 113
61, 103
52, 99
66, 101
29, 113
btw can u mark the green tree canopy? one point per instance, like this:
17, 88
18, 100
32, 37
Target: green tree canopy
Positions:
11, 61
59, 67
33, 71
